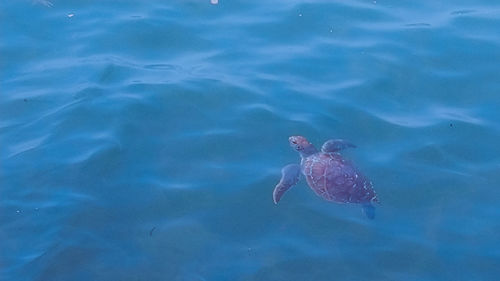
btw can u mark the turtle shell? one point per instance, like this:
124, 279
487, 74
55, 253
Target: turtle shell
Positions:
335, 179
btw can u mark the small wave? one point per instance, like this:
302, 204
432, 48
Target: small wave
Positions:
163, 66
419, 24
429, 117
462, 12
26, 145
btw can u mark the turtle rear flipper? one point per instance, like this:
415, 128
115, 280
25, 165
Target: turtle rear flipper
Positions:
369, 211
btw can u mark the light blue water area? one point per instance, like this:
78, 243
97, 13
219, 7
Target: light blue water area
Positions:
142, 140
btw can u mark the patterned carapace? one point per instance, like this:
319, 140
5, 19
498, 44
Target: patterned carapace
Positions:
328, 174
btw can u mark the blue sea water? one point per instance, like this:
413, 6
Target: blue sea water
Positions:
142, 140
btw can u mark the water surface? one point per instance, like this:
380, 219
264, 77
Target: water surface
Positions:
142, 140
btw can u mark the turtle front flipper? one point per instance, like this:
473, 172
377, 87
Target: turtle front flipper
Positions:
290, 175
335, 145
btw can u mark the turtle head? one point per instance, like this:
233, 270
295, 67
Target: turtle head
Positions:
302, 145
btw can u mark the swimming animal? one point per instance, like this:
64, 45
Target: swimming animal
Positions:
328, 174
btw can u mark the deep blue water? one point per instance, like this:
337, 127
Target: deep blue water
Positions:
141, 140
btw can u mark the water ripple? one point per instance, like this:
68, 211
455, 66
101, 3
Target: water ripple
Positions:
133, 133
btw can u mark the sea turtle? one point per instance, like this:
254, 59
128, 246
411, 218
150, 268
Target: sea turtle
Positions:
328, 174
